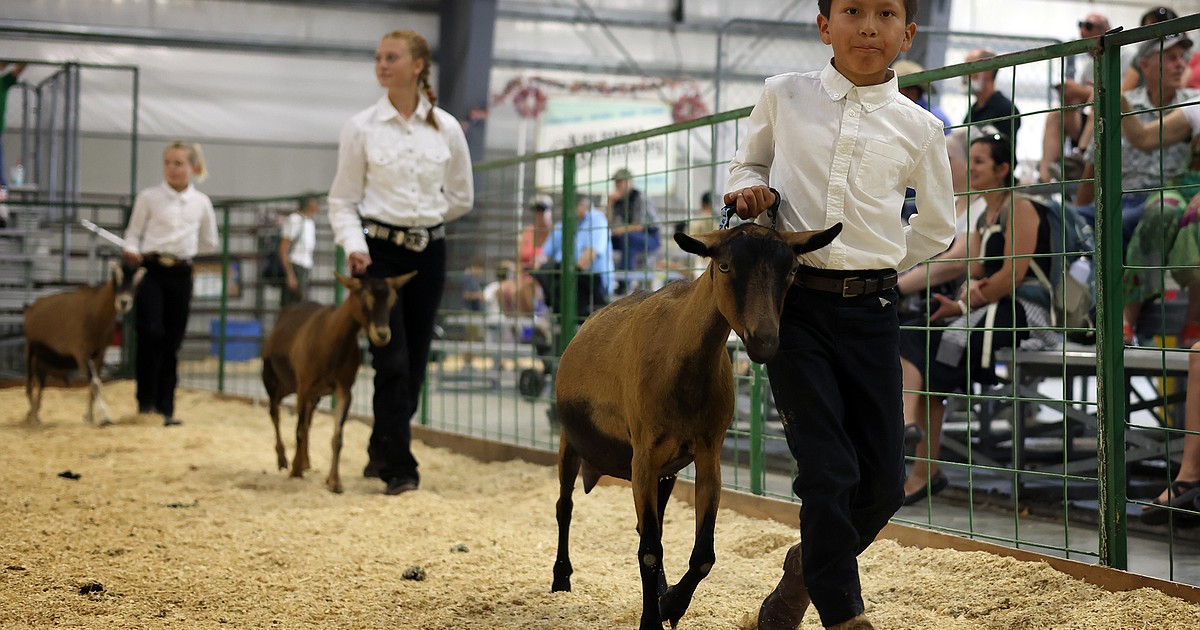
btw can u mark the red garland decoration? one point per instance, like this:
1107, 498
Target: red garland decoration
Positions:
689, 107
530, 102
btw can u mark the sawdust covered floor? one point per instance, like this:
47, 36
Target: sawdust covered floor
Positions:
193, 527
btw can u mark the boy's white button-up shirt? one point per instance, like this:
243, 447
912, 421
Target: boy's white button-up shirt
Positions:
399, 171
167, 221
838, 152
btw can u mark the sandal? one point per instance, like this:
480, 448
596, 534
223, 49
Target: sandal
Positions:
913, 435
1183, 495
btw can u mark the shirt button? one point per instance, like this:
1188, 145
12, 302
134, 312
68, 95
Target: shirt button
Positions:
854, 112
836, 95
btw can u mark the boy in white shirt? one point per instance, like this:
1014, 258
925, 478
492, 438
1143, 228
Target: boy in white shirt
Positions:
841, 145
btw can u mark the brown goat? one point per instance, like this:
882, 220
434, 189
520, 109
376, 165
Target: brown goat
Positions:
71, 330
646, 388
313, 351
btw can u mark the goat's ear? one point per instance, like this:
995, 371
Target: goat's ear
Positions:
395, 282
115, 273
353, 284
138, 276
700, 244
804, 242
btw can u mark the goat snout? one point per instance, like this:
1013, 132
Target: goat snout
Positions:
123, 304
380, 335
761, 347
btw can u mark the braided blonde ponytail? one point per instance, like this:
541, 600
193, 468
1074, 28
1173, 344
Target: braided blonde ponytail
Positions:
419, 48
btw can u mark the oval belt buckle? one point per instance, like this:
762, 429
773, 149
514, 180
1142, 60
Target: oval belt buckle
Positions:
416, 239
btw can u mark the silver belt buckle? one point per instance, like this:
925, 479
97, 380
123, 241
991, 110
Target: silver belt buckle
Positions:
416, 238
846, 292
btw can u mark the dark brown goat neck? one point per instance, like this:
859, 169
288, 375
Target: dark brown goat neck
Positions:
346, 320
704, 328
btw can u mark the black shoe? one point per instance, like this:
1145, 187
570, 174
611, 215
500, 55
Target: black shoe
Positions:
936, 484
172, 422
400, 485
373, 469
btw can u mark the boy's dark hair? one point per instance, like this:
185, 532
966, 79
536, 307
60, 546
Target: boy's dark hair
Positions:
706, 199
910, 9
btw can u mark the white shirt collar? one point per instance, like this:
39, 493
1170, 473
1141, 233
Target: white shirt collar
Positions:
384, 110
871, 97
178, 193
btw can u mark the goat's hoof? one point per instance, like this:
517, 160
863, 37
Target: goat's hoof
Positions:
650, 623
296, 474
561, 584
282, 464
673, 604
106, 422
334, 486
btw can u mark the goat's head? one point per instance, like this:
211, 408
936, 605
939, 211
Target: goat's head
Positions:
375, 298
751, 270
125, 279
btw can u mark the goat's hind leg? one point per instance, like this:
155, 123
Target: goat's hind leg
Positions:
708, 498
334, 481
35, 384
568, 471
271, 382
96, 396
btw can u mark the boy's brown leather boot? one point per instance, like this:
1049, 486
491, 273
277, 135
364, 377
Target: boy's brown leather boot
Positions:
858, 623
784, 608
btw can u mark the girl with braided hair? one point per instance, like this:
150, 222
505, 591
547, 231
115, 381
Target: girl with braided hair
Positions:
403, 172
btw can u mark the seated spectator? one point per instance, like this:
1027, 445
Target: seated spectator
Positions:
1143, 170
1184, 491
1006, 233
1155, 226
632, 220
533, 237
593, 258
1065, 136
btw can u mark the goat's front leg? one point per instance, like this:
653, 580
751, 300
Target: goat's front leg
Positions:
305, 407
96, 396
568, 471
334, 480
650, 554
708, 498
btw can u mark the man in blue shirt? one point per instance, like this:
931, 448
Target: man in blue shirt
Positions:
593, 256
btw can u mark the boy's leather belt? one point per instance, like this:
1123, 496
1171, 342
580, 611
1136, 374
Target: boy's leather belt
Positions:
851, 286
412, 238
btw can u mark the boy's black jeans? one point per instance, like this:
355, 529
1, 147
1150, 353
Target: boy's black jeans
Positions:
837, 384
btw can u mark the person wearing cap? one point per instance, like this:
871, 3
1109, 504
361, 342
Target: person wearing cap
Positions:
917, 92
533, 236
1165, 221
631, 218
1133, 76
1150, 220
991, 105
